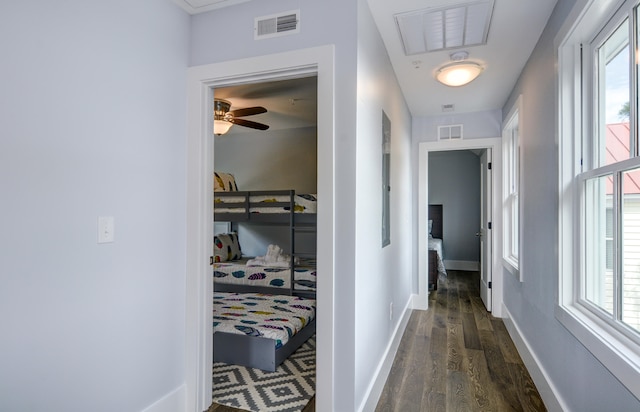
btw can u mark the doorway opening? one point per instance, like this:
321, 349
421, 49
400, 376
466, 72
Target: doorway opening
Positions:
202, 80
271, 158
488, 212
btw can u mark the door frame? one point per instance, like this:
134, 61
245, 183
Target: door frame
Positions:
486, 243
201, 80
495, 144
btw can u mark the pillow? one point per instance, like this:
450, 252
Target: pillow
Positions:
430, 226
226, 247
224, 182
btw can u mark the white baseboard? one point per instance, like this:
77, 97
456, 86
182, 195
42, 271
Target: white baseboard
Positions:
419, 302
548, 392
174, 401
372, 396
467, 265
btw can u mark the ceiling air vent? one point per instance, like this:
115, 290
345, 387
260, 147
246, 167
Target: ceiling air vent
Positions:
447, 27
277, 25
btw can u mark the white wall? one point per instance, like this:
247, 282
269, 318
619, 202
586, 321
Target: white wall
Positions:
454, 182
582, 383
93, 123
383, 275
320, 25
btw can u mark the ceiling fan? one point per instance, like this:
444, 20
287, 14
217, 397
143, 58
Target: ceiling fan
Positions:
223, 118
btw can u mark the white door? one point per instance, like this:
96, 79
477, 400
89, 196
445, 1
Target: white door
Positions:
485, 228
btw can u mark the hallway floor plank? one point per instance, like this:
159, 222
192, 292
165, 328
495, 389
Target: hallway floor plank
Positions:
457, 357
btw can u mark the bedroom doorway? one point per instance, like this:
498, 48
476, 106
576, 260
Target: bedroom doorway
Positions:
202, 80
272, 149
490, 212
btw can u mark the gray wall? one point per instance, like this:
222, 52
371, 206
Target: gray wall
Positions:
582, 382
93, 124
454, 182
270, 160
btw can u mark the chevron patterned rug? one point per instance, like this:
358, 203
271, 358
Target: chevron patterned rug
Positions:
288, 389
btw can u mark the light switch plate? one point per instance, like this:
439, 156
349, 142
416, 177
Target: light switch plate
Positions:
105, 229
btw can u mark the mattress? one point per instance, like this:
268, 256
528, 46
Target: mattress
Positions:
237, 272
270, 316
436, 244
306, 203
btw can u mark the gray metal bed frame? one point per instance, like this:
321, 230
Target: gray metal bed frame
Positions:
252, 351
257, 352
295, 221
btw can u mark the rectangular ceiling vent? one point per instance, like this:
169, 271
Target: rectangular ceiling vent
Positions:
277, 25
442, 28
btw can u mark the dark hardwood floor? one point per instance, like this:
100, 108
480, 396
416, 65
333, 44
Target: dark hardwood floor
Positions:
457, 357
454, 357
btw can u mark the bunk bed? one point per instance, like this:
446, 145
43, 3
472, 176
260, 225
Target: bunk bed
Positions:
259, 330
275, 207
435, 258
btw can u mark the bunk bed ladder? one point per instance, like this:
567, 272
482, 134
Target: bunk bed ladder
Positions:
292, 240
295, 226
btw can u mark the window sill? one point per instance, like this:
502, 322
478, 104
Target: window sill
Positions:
511, 266
616, 352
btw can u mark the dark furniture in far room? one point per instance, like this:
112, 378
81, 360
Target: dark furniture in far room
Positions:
435, 236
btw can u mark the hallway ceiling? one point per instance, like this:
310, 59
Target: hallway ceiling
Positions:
513, 32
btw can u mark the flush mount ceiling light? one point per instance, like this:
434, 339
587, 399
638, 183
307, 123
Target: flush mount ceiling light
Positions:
460, 72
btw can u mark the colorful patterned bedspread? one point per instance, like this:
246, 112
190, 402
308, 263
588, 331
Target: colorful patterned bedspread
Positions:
237, 272
271, 316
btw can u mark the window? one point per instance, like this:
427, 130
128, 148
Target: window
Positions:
510, 190
600, 185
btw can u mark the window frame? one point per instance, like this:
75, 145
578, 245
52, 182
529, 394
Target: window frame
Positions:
614, 347
511, 138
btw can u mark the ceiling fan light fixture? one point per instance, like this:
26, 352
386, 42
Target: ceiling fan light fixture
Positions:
221, 127
220, 109
458, 73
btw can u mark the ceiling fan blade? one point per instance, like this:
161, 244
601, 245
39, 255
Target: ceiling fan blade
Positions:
247, 111
249, 123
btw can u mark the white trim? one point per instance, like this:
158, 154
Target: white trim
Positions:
174, 401
550, 395
422, 299
207, 5
376, 385
610, 347
495, 144
516, 114
512, 268
467, 265
201, 80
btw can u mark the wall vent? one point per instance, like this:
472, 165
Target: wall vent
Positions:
450, 132
277, 25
